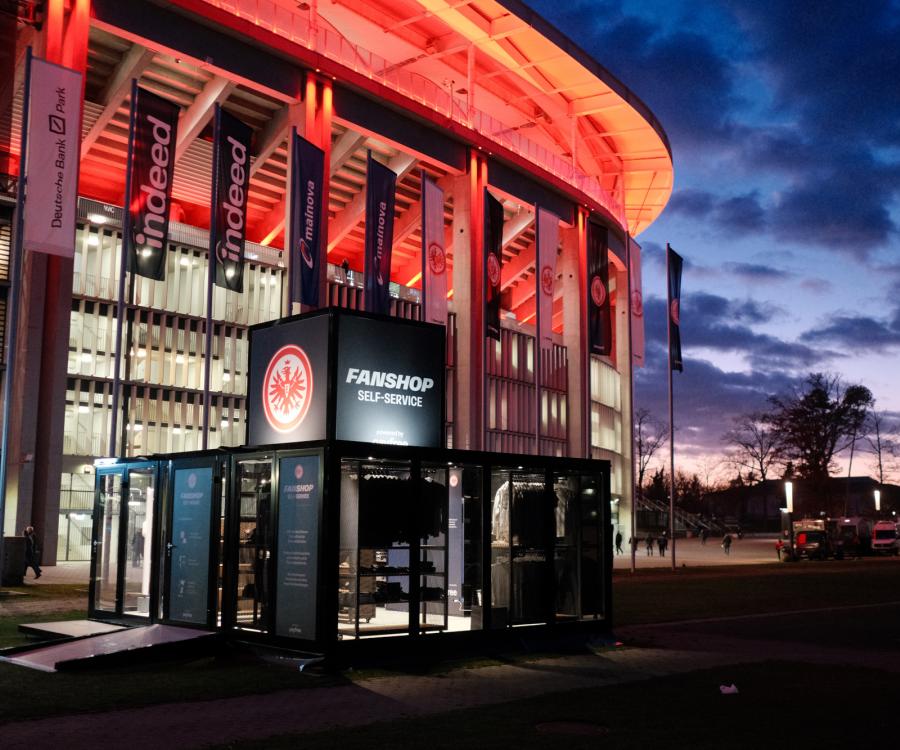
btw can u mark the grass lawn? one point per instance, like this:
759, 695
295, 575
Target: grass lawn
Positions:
778, 704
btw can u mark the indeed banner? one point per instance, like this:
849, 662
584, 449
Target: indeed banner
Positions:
51, 166
545, 275
434, 256
381, 183
231, 183
152, 166
307, 184
599, 323
493, 255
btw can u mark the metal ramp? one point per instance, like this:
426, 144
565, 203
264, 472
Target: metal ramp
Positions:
117, 647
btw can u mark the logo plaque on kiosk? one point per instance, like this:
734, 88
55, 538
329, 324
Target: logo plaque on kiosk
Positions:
384, 378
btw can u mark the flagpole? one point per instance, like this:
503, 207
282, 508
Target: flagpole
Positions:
210, 269
123, 261
424, 303
631, 406
538, 343
13, 300
671, 408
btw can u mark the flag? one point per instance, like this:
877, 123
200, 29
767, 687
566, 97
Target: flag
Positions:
152, 165
51, 166
381, 183
493, 256
637, 306
307, 184
599, 321
673, 266
434, 256
547, 243
231, 183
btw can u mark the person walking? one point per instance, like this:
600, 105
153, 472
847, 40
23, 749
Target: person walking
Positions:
726, 543
649, 544
32, 552
634, 543
619, 550
661, 543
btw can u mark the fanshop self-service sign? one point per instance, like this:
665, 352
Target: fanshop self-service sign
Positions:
388, 380
288, 397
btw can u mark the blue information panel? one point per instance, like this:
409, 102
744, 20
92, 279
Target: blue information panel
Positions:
298, 546
189, 572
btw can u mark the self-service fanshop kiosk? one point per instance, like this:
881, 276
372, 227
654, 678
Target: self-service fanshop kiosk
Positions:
345, 519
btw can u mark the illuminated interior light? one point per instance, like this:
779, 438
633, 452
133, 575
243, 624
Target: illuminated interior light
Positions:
226, 377
176, 430
141, 353
414, 279
229, 273
93, 240
83, 409
138, 427
185, 262
146, 252
87, 357
179, 359
97, 219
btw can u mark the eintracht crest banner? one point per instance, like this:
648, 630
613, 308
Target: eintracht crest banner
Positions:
434, 255
637, 306
231, 183
599, 323
51, 166
381, 183
545, 273
307, 184
493, 254
674, 263
152, 166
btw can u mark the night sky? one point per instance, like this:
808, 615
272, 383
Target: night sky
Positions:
784, 121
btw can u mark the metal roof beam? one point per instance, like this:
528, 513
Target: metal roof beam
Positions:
271, 137
411, 219
516, 266
117, 90
343, 149
195, 117
517, 226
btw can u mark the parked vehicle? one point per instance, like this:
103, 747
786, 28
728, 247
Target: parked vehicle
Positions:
855, 535
884, 538
811, 539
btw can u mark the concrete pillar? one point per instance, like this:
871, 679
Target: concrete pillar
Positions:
468, 301
573, 268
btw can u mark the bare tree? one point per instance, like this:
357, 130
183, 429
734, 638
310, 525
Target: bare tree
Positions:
755, 445
650, 435
880, 442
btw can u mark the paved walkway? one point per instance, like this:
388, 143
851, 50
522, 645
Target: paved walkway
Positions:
196, 724
691, 553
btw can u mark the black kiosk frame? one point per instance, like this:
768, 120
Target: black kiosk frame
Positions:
331, 545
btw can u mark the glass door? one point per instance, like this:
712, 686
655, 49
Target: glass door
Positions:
137, 527
104, 595
189, 538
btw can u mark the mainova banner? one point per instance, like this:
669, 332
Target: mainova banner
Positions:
381, 183
189, 571
231, 184
674, 264
307, 180
599, 322
288, 385
51, 164
545, 273
434, 255
637, 306
299, 502
390, 382
493, 259
152, 167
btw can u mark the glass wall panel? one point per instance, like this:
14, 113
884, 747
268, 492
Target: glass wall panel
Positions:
532, 524
464, 548
432, 506
138, 542
254, 483
107, 552
565, 555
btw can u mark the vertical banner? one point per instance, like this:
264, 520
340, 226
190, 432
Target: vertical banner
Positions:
51, 167
545, 277
231, 182
434, 257
307, 181
599, 319
298, 547
673, 266
381, 183
8, 28
152, 167
637, 306
189, 570
493, 256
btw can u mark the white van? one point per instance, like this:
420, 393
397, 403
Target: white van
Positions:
884, 538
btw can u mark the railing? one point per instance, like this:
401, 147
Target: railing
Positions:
295, 26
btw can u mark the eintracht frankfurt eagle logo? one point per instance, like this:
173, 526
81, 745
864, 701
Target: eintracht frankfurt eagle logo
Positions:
287, 388
598, 291
637, 303
298, 472
547, 280
676, 315
493, 269
437, 261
